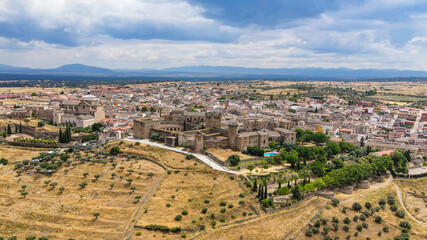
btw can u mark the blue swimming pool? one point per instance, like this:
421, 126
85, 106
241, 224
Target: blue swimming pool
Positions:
269, 154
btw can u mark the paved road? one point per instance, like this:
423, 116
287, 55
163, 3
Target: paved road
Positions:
415, 127
201, 157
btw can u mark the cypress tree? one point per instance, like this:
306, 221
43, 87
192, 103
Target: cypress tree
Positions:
20, 127
254, 188
289, 184
265, 193
280, 184
69, 133
9, 129
16, 128
60, 139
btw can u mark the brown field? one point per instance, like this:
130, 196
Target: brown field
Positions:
223, 154
187, 190
15, 153
33, 122
47, 212
6, 90
169, 159
415, 204
270, 226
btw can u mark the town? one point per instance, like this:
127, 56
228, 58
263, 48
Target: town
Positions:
272, 146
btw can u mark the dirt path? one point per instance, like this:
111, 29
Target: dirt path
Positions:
399, 195
131, 224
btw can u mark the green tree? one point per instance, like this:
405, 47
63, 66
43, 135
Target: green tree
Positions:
296, 193
114, 151
251, 168
9, 129
96, 214
333, 148
234, 159
320, 137
292, 158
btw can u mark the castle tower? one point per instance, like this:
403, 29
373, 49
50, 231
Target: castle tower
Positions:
198, 142
232, 135
213, 120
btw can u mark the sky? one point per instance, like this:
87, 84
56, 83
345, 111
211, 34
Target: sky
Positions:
157, 34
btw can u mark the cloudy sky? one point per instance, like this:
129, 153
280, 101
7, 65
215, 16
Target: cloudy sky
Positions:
136, 34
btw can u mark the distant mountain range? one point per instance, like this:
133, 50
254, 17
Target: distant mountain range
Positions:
214, 72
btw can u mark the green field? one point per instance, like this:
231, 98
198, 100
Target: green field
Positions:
400, 98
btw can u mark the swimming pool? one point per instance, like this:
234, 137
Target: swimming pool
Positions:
269, 154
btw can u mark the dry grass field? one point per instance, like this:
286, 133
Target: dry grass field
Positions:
45, 211
33, 122
223, 154
7, 90
169, 159
189, 185
389, 218
269, 226
415, 204
192, 191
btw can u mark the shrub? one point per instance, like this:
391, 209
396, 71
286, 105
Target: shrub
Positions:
335, 202
242, 195
346, 228
222, 219
114, 151
346, 220
335, 227
204, 210
359, 227
405, 224
393, 207
390, 200
368, 205
317, 223
178, 218
326, 229
366, 213
223, 203
168, 204
382, 201
335, 219
213, 223
362, 217
357, 206
31, 237
138, 234
184, 212
206, 201
400, 213
365, 225
230, 205
309, 233
386, 229
378, 219
223, 210
315, 230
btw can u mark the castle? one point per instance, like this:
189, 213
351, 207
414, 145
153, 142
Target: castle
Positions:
80, 113
204, 129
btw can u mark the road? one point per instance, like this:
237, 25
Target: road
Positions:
201, 157
415, 127
392, 121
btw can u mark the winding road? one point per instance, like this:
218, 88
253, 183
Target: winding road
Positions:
211, 163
